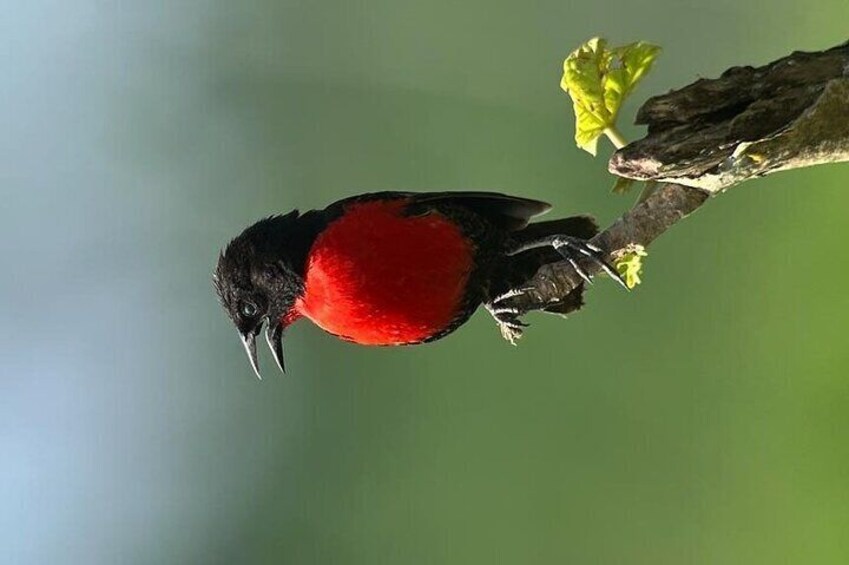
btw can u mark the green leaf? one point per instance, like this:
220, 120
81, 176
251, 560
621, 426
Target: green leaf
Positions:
629, 264
599, 79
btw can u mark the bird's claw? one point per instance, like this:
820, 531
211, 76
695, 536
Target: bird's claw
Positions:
507, 318
572, 249
512, 293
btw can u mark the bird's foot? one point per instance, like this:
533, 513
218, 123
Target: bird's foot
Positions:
507, 318
573, 249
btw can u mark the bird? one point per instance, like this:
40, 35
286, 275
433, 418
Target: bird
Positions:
396, 268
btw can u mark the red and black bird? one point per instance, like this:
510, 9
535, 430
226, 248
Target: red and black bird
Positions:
395, 268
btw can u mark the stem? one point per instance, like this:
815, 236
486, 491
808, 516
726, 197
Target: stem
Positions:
616, 138
619, 141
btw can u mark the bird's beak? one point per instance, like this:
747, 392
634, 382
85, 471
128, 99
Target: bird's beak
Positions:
274, 337
249, 341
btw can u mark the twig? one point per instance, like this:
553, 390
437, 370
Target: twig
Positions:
669, 204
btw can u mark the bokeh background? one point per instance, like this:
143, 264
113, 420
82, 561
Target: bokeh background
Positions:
701, 419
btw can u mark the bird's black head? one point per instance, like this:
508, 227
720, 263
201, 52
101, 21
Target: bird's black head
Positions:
260, 275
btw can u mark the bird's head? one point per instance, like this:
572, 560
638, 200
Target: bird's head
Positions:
259, 277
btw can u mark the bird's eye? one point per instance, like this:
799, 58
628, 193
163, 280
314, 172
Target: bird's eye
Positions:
248, 309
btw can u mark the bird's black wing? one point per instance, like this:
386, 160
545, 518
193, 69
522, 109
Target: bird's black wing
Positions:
510, 213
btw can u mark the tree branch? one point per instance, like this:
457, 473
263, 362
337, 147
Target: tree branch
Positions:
748, 123
711, 135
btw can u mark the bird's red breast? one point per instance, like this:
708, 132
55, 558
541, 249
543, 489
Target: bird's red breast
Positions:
378, 277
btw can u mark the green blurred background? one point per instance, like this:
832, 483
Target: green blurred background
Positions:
701, 419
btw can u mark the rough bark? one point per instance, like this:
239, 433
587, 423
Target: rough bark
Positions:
711, 135
750, 122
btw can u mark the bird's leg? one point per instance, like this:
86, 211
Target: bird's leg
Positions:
573, 249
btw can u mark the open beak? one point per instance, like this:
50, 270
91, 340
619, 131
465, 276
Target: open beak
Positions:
274, 337
249, 341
